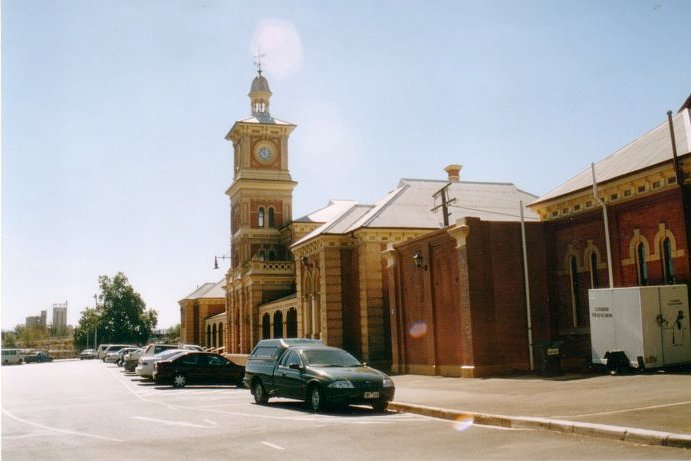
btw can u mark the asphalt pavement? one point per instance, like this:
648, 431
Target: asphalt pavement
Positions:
653, 407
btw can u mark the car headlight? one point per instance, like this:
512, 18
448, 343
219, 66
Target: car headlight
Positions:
342, 384
387, 382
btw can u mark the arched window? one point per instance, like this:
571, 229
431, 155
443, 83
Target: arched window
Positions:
271, 218
278, 324
213, 337
220, 334
266, 326
668, 272
292, 323
260, 217
594, 277
261, 255
207, 340
575, 289
641, 265
272, 255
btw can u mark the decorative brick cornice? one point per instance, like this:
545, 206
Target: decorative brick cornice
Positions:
641, 184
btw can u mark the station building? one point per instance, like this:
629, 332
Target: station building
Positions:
400, 286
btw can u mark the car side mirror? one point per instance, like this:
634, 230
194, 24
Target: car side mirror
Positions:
295, 366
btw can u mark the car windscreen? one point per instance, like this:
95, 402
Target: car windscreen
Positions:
329, 358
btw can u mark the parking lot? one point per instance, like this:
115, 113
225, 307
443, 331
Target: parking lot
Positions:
89, 409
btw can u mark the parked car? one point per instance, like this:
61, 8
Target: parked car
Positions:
320, 375
114, 348
101, 351
38, 357
197, 368
116, 356
87, 354
145, 368
152, 349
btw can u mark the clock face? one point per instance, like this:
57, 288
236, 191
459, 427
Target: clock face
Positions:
264, 153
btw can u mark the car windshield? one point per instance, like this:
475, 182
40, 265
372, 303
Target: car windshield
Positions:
329, 358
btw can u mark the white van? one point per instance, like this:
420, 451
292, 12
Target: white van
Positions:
12, 356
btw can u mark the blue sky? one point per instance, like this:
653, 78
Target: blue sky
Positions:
114, 115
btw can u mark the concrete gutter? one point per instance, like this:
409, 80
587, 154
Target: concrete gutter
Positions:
625, 434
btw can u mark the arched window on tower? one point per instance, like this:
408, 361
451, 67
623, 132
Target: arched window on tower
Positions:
272, 224
641, 265
260, 217
668, 272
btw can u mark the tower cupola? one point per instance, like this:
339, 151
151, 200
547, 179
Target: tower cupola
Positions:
259, 95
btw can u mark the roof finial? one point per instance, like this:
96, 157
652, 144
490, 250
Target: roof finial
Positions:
258, 61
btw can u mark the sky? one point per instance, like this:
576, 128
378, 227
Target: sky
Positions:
114, 115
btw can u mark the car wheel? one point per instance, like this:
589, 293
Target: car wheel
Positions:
260, 397
315, 398
179, 380
379, 405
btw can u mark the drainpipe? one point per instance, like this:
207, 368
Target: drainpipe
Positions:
527, 290
604, 217
679, 173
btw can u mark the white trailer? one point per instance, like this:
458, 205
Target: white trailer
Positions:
640, 327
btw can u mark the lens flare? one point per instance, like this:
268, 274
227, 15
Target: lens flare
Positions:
463, 423
278, 44
418, 329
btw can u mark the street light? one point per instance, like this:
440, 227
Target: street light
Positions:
216, 260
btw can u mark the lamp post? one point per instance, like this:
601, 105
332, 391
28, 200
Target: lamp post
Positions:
96, 322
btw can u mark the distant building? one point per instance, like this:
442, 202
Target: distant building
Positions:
37, 320
59, 318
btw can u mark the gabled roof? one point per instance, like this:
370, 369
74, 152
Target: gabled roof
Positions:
653, 148
328, 213
410, 206
208, 290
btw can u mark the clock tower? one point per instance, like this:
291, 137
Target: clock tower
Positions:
261, 195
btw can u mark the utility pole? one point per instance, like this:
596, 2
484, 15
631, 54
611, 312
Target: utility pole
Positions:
445, 202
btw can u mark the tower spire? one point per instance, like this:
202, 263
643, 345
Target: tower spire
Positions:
260, 92
258, 61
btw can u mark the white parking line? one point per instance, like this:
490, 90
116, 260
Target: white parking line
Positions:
652, 407
55, 429
277, 447
209, 425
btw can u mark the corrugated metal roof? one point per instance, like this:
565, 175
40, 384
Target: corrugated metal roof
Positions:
207, 290
330, 212
410, 205
651, 149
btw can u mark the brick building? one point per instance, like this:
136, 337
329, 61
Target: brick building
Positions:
644, 188
471, 279
196, 308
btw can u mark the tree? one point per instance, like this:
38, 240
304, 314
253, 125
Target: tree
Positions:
29, 336
9, 339
173, 334
121, 316
84, 331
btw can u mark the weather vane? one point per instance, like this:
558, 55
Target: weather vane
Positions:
258, 61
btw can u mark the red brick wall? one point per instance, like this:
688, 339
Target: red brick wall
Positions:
437, 319
645, 214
